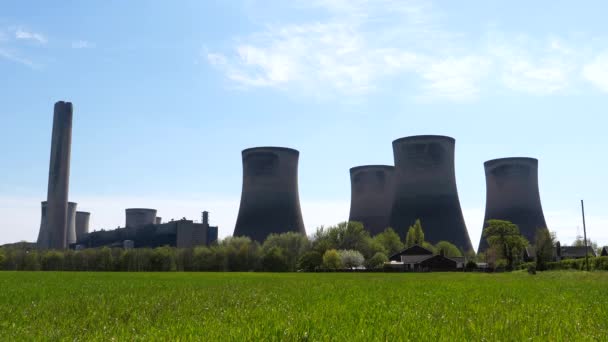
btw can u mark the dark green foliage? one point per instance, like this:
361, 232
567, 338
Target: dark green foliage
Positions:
505, 239
471, 265
163, 259
532, 269
2, 258
274, 260
390, 241
377, 261
310, 261
544, 247
448, 249
291, 245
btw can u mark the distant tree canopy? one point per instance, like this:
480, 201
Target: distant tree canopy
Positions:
332, 260
415, 235
544, 248
505, 239
346, 235
447, 249
390, 241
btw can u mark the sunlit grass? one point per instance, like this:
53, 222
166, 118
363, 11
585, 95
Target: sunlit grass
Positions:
254, 306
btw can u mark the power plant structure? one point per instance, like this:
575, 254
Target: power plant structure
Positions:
43, 233
137, 217
512, 194
270, 201
82, 224
425, 189
371, 196
145, 233
71, 224
56, 234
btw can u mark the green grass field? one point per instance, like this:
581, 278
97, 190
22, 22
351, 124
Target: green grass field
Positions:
554, 306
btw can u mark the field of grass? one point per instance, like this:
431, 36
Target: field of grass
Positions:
316, 307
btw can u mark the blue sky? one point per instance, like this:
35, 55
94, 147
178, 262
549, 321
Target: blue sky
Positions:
167, 94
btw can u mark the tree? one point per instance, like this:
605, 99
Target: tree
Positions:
274, 260
351, 258
377, 261
240, 254
310, 261
2, 259
544, 247
447, 249
415, 235
580, 242
291, 244
504, 237
390, 240
346, 235
331, 260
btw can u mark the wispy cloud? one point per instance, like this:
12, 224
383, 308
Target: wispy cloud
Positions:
14, 57
82, 44
359, 45
23, 34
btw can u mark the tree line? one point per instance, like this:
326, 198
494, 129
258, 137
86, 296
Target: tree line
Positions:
346, 245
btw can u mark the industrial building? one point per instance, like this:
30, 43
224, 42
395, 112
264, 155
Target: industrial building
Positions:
512, 194
420, 259
180, 233
425, 189
270, 202
371, 199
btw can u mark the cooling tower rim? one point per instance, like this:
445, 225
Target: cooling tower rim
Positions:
514, 160
140, 209
424, 137
86, 213
271, 149
72, 203
372, 167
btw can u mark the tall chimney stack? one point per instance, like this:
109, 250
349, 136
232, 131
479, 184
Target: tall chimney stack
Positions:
59, 177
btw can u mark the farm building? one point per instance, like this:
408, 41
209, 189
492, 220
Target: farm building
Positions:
420, 259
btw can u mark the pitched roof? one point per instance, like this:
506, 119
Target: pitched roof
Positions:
575, 251
414, 259
413, 250
604, 251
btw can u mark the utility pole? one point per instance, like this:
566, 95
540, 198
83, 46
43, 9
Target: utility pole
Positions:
585, 236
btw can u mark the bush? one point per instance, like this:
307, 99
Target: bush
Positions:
274, 261
163, 259
2, 259
331, 260
351, 258
377, 261
532, 269
310, 261
52, 261
471, 265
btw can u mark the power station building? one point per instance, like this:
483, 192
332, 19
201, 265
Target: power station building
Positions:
425, 189
270, 201
512, 194
371, 199
55, 232
181, 234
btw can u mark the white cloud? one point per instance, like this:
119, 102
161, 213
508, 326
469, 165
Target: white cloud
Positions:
27, 35
82, 44
596, 71
12, 56
455, 78
358, 46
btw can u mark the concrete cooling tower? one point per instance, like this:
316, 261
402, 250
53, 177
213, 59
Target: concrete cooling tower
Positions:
43, 237
71, 223
59, 177
82, 224
137, 217
371, 196
425, 189
512, 194
270, 201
